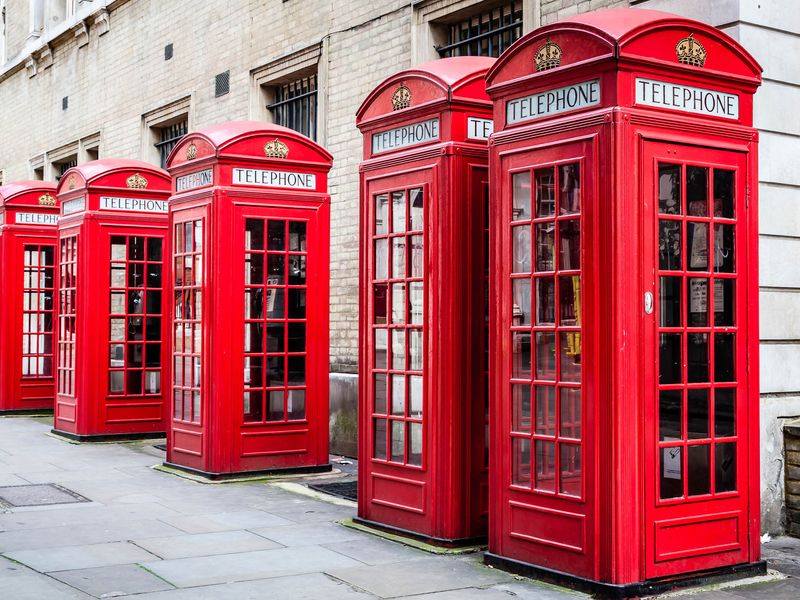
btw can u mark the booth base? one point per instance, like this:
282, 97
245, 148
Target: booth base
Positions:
470, 544
628, 590
107, 437
26, 412
212, 476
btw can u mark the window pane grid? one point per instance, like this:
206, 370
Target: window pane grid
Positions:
485, 34
37, 311
188, 332
68, 275
295, 106
398, 313
135, 298
169, 136
546, 330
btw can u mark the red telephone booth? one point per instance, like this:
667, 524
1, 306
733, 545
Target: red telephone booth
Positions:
28, 219
250, 220
624, 386
423, 458
110, 322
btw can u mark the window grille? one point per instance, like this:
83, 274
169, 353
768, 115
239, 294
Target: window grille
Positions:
169, 137
222, 84
65, 166
295, 106
485, 34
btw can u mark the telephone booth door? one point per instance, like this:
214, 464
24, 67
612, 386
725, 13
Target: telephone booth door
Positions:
697, 403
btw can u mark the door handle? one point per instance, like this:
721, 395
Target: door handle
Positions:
648, 303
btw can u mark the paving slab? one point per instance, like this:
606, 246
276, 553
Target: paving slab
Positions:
376, 551
20, 583
424, 576
189, 572
206, 544
46, 560
310, 534
117, 580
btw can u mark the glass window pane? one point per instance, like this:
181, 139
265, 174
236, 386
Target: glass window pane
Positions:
116, 382
697, 417
415, 356
671, 480
134, 382
297, 269
297, 236
669, 358
570, 413
725, 412
670, 413
275, 371
296, 337
699, 479
380, 302
297, 303
417, 209
545, 247
398, 212
398, 395
275, 405
398, 303
381, 348
118, 248
253, 406
276, 269
417, 256
545, 301
416, 299
275, 337
154, 249
153, 329
135, 275
724, 249
117, 303
724, 361
117, 275
697, 358
545, 466
669, 189
697, 246
135, 248
669, 245
697, 191
253, 372
724, 302
415, 444
723, 194
570, 476
379, 439
276, 235
398, 257
296, 404
545, 192
253, 272
380, 393
697, 292
296, 371
570, 300
545, 355
135, 302
415, 396
152, 382
521, 200
521, 408
570, 245
521, 354
570, 343
670, 302
521, 291
381, 258
545, 410
117, 330
398, 349
381, 214
521, 462
398, 441
725, 467
521, 241
153, 302
253, 234
569, 189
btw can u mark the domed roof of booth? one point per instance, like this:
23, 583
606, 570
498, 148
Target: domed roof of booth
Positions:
222, 136
91, 172
15, 188
451, 76
636, 33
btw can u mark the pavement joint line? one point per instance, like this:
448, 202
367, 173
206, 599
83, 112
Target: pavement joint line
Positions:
771, 576
301, 490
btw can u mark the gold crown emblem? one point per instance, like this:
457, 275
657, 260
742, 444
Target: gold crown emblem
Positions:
136, 182
401, 98
548, 56
691, 52
47, 200
191, 151
71, 182
276, 149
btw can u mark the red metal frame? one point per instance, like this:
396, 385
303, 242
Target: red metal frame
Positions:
423, 373
28, 218
111, 293
624, 529
249, 345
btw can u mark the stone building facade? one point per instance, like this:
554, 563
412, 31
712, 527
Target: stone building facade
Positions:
81, 79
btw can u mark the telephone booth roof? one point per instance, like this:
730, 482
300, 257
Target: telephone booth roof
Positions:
28, 193
639, 37
244, 141
431, 85
119, 173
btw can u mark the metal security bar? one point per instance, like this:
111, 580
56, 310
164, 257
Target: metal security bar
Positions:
65, 166
295, 106
169, 138
485, 34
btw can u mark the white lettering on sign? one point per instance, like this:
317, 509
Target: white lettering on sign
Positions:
407, 135
686, 98
479, 129
27, 218
194, 180
134, 204
73, 206
276, 179
553, 102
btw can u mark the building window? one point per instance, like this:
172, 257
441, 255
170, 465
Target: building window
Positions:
64, 165
295, 105
168, 138
485, 34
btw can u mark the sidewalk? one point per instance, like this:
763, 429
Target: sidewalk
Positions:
158, 536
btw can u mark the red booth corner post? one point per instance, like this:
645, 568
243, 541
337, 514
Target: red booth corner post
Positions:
28, 219
624, 343
110, 309
423, 461
250, 216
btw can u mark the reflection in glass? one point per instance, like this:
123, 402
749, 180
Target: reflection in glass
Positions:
724, 349
697, 246
671, 475
398, 349
725, 467
569, 192
398, 395
398, 441
252, 406
723, 194
521, 408
670, 298
399, 257
570, 344
570, 479
724, 412
417, 209
417, 256
570, 300
545, 247
670, 411
521, 462
521, 292
416, 301
521, 199
724, 249
380, 393
697, 358
545, 193
669, 360
415, 396
381, 348
116, 382
545, 301
117, 275
697, 298
699, 470
570, 413
275, 405
398, 212
569, 245
545, 409
253, 235
521, 354
381, 258
117, 303
415, 356
398, 303
697, 191
381, 214
545, 355
379, 439
669, 189
669, 245
697, 414
545, 466
297, 236
118, 248
415, 445
521, 243
296, 404
297, 269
